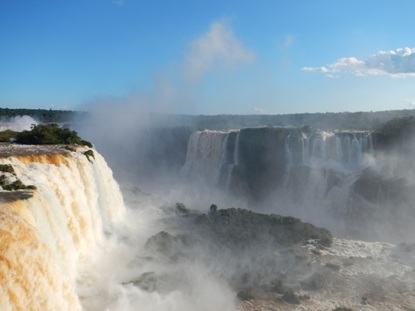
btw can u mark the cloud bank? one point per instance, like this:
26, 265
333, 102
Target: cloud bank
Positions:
217, 47
396, 64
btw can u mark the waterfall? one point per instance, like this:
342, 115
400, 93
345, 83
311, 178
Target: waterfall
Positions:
338, 150
206, 153
44, 238
320, 177
212, 157
299, 173
235, 163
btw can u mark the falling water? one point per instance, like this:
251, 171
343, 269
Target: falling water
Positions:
45, 238
205, 153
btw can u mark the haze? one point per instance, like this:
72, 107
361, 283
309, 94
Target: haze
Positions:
210, 57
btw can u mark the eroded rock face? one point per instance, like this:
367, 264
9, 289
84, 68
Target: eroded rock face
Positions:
236, 229
262, 160
251, 251
275, 263
382, 203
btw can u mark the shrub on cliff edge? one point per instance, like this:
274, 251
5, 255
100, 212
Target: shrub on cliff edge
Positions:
50, 134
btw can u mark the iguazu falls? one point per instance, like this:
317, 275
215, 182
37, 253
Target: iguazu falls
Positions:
169, 216
161, 155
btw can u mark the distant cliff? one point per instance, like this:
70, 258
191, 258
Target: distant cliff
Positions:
349, 181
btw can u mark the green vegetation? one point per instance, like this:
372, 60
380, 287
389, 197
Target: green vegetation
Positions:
69, 148
8, 170
50, 134
397, 125
16, 185
89, 154
7, 135
43, 115
395, 131
326, 121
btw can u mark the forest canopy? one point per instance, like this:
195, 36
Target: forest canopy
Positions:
44, 134
50, 134
367, 121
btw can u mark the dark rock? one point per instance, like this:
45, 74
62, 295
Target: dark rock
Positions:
6, 168
248, 249
364, 301
332, 266
181, 209
316, 281
291, 297
147, 282
166, 244
244, 295
244, 226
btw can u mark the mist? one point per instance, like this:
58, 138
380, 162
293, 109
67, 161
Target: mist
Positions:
146, 154
150, 152
18, 123
170, 254
128, 276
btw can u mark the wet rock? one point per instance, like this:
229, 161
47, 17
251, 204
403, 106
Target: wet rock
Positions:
147, 282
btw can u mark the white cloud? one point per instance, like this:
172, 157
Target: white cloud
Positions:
398, 63
218, 47
318, 69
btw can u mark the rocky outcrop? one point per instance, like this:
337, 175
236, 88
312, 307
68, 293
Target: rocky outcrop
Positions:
252, 251
382, 203
270, 263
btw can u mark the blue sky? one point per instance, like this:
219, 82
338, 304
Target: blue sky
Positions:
208, 57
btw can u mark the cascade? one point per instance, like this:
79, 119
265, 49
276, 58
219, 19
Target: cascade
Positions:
45, 233
326, 168
229, 160
339, 150
295, 171
235, 162
212, 157
205, 153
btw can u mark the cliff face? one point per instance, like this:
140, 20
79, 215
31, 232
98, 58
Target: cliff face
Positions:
258, 162
262, 161
46, 231
322, 177
61, 247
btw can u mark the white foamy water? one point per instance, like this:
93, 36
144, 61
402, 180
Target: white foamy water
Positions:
74, 245
45, 238
19, 123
